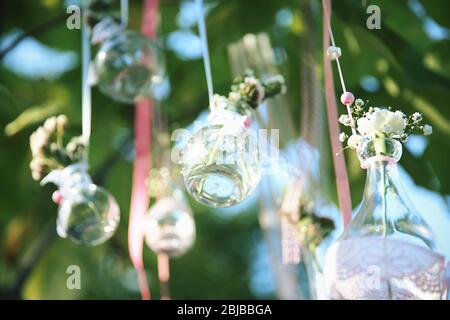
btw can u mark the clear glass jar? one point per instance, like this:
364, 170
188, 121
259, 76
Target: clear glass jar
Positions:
128, 66
88, 214
387, 251
220, 165
169, 226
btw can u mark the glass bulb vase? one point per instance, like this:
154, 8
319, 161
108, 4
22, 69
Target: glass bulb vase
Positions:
87, 214
220, 161
128, 66
169, 227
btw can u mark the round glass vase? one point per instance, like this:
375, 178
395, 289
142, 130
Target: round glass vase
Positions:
88, 214
220, 164
387, 252
169, 226
128, 66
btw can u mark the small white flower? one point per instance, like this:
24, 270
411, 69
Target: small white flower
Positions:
359, 103
219, 102
251, 80
234, 96
50, 124
427, 129
358, 108
36, 164
342, 137
355, 141
345, 120
61, 120
38, 140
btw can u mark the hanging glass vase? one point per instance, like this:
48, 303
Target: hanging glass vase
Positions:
87, 214
387, 251
128, 65
169, 226
220, 161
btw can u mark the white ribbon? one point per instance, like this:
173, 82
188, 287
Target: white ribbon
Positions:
86, 107
204, 42
124, 13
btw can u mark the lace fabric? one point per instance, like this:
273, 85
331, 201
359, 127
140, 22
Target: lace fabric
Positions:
374, 268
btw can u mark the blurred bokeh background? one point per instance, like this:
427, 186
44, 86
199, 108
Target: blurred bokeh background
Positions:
405, 64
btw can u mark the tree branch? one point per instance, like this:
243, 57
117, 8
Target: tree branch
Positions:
36, 30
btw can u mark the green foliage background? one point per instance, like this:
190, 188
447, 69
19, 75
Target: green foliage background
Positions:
414, 74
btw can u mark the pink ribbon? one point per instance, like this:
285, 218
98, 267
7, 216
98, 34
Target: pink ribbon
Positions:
365, 164
342, 184
142, 164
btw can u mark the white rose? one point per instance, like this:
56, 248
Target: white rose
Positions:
382, 122
427, 129
355, 141
379, 119
396, 122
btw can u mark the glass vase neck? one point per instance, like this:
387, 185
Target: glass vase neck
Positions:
380, 150
105, 29
385, 209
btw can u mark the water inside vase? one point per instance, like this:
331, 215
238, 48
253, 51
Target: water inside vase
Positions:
220, 168
88, 218
172, 232
218, 185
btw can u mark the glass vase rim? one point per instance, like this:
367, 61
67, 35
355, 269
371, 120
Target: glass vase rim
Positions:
380, 149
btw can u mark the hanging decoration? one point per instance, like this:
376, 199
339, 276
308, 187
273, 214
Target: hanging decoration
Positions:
142, 164
220, 161
169, 226
387, 251
87, 214
340, 169
254, 51
127, 65
319, 222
